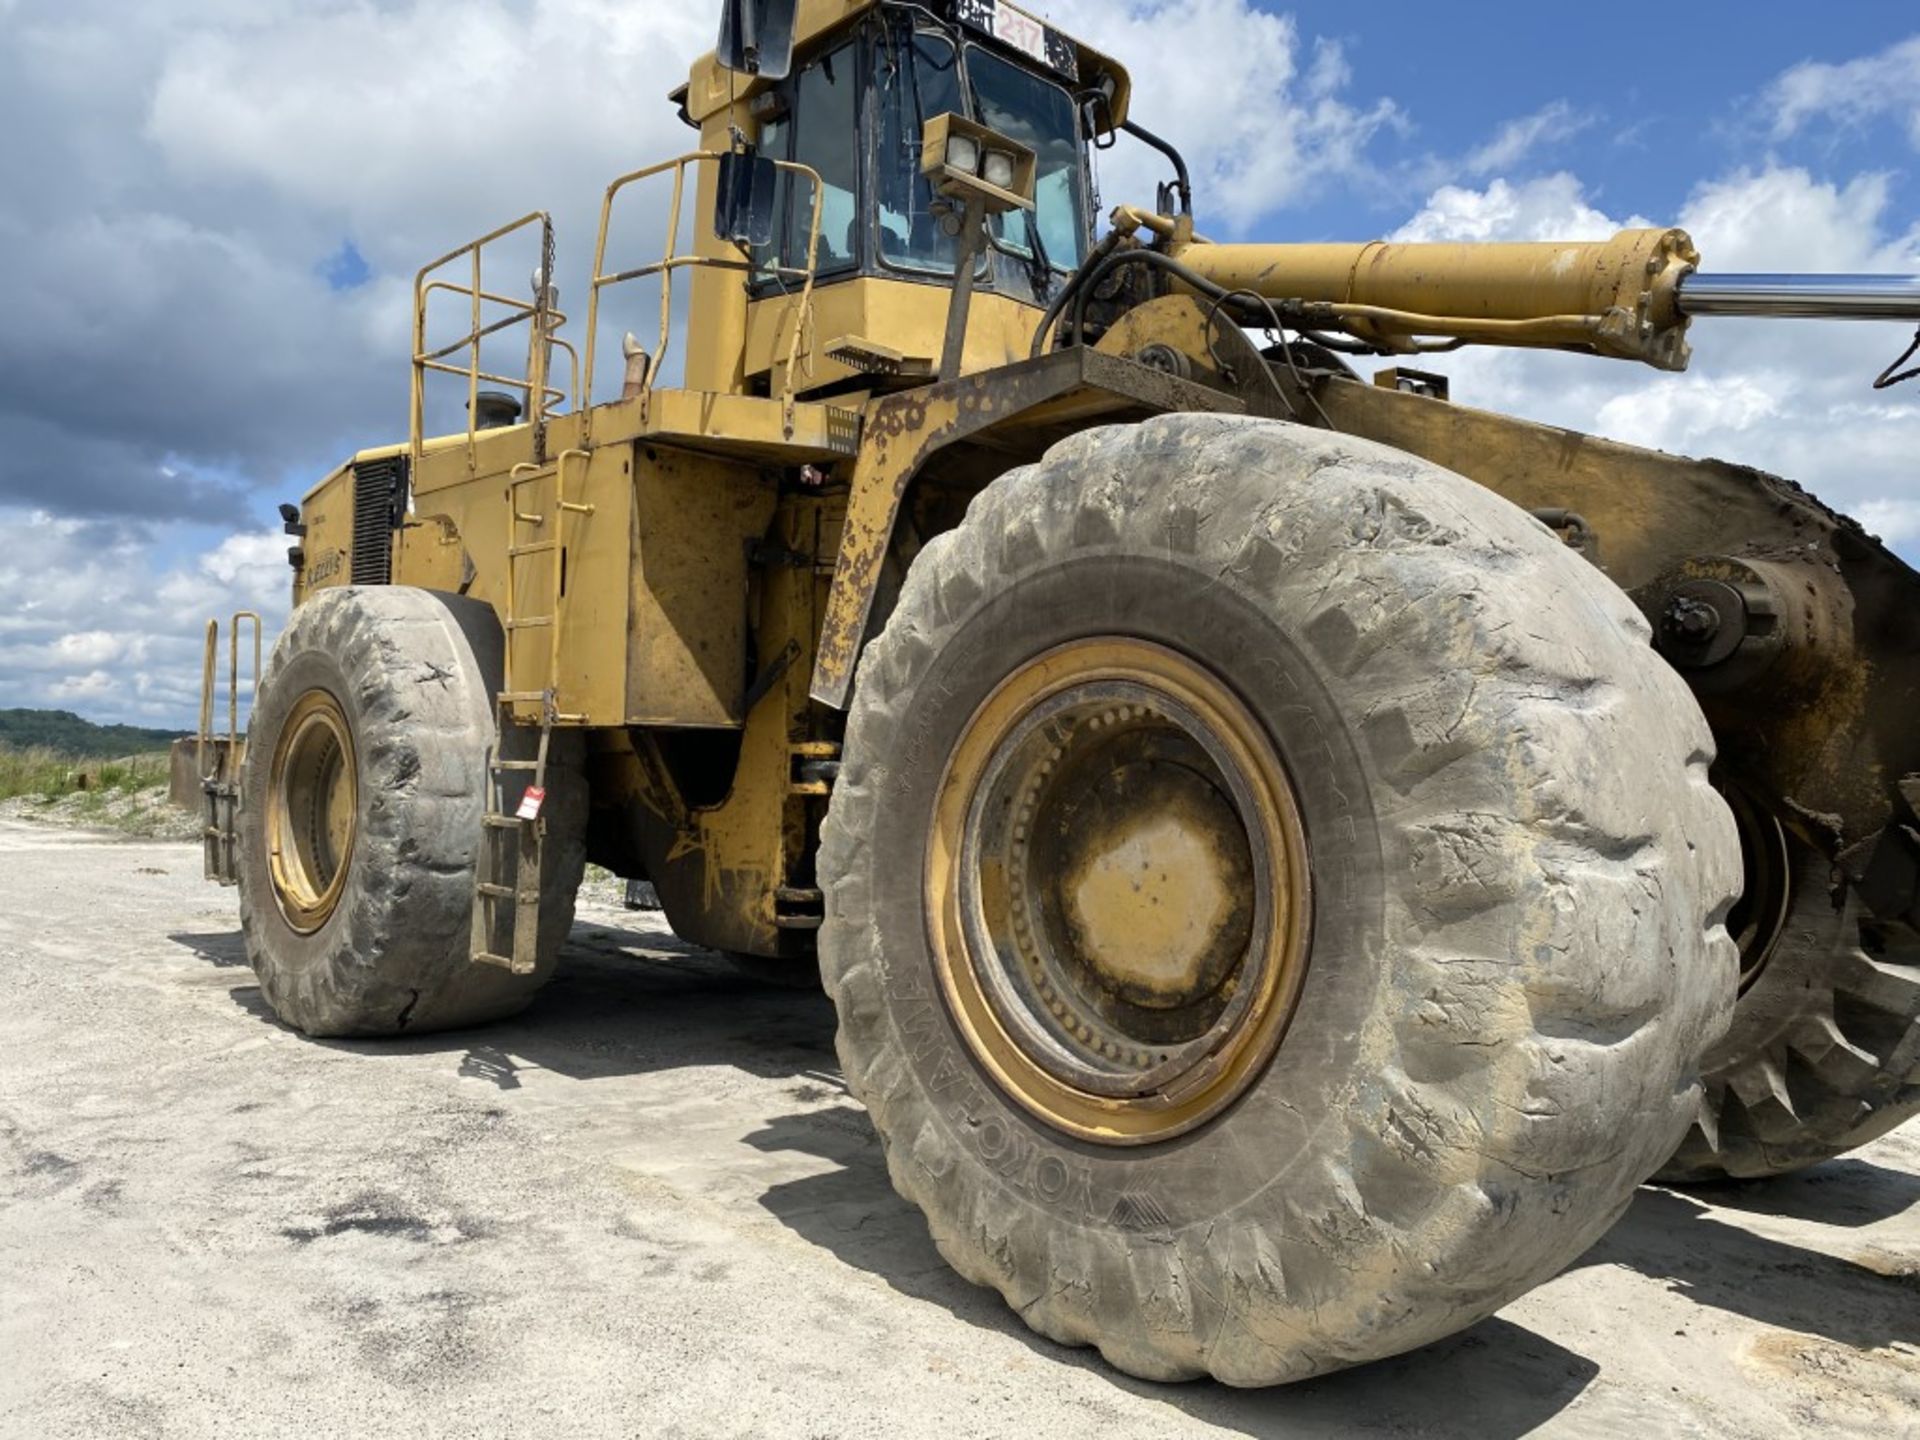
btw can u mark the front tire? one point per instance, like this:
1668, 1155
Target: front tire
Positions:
361, 797
1516, 877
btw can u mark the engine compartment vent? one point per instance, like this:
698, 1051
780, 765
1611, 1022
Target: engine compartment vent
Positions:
379, 507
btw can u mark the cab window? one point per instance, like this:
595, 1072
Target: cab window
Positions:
817, 131
825, 109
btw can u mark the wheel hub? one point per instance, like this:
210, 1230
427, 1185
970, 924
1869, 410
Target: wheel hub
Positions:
1154, 877
312, 811
1120, 888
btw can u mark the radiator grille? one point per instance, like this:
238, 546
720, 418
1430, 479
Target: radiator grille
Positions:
379, 505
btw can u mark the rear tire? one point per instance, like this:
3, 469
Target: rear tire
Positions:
1824, 1051
1518, 878
367, 762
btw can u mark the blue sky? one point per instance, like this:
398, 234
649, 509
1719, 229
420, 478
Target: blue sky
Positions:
212, 236
1670, 95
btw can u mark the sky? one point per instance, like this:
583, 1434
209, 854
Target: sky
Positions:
211, 212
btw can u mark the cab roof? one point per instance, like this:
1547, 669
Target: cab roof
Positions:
710, 89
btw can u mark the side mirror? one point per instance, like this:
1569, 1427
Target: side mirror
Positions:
743, 211
756, 37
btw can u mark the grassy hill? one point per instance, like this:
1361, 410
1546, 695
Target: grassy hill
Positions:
67, 733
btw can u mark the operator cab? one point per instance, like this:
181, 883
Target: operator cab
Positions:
855, 108
856, 114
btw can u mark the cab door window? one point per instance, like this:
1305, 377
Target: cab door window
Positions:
820, 130
916, 77
827, 139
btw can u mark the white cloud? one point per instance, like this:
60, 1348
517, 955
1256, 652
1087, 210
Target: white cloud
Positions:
1259, 124
1782, 219
94, 625
1896, 521
404, 120
1517, 139
1552, 207
89, 647
1886, 85
94, 685
1791, 397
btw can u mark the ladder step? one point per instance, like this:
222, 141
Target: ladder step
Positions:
533, 623
540, 548
506, 892
516, 765
519, 697
502, 822
487, 957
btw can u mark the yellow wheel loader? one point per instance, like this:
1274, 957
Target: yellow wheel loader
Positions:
1290, 853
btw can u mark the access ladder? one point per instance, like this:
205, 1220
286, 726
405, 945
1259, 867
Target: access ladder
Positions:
512, 855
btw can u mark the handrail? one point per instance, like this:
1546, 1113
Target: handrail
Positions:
674, 260
205, 735
539, 314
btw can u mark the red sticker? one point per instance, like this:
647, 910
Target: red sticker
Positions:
531, 802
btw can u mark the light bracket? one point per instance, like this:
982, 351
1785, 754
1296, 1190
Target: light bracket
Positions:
957, 183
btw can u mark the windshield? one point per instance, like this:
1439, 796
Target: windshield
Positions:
1040, 115
918, 77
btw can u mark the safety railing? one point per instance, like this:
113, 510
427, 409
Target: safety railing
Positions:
675, 261
220, 778
540, 314
206, 734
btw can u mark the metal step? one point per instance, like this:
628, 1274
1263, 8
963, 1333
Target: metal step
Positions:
503, 962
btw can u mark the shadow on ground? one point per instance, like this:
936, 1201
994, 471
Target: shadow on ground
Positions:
224, 948
631, 1002
1673, 1237
624, 1002
1847, 1191
1497, 1379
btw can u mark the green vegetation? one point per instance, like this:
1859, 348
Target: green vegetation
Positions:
47, 774
127, 793
68, 734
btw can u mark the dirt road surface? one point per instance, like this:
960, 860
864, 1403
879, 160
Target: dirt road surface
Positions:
648, 1207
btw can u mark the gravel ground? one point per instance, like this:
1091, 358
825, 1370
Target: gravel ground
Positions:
146, 814
648, 1207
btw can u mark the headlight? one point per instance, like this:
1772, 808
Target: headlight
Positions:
999, 169
963, 153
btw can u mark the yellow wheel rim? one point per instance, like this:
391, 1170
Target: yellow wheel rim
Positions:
312, 811
1118, 891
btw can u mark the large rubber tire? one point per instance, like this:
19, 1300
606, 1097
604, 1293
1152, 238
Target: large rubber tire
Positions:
1824, 1051
1518, 955
413, 673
